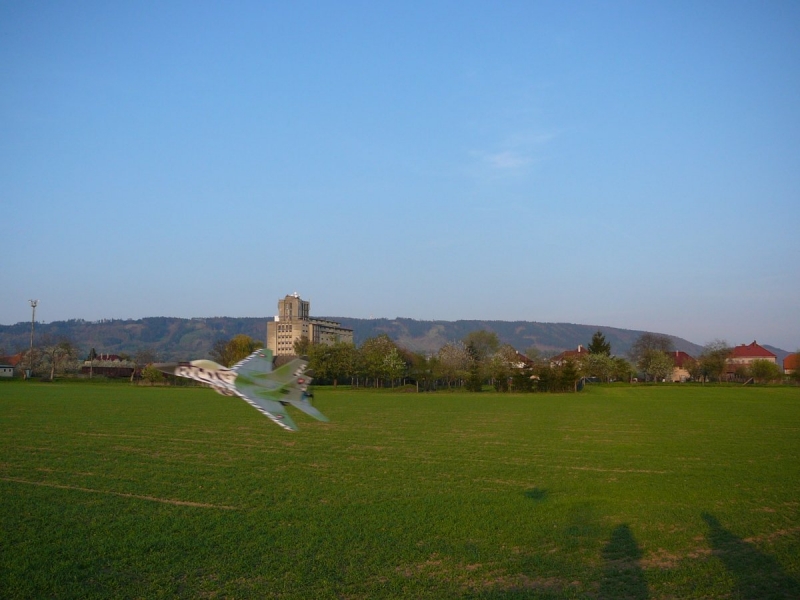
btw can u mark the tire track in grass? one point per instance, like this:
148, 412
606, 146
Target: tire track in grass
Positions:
120, 494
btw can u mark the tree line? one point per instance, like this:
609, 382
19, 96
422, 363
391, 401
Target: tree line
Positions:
478, 361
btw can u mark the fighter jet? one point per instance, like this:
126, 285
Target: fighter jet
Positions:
254, 381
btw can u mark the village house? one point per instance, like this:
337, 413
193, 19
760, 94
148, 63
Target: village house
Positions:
9, 363
575, 355
743, 356
791, 363
682, 360
522, 362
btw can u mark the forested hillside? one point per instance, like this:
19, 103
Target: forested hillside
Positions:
429, 336
170, 338
181, 339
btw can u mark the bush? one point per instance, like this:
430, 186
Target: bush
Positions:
152, 375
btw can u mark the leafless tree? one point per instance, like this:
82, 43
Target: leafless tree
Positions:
58, 354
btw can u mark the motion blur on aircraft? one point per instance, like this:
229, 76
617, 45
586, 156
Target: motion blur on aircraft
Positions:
254, 381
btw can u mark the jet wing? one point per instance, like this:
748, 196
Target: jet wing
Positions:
257, 369
272, 401
258, 363
270, 408
308, 408
270, 391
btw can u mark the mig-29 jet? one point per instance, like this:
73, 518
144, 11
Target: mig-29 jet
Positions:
254, 381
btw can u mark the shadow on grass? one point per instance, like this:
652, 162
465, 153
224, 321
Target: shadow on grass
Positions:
536, 494
623, 576
757, 575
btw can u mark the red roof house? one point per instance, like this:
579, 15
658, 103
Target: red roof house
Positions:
681, 358
577, 354
791, 363
682, 361
523, 361
12, 360
744, 355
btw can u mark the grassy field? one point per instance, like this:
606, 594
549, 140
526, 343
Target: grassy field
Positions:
617, 492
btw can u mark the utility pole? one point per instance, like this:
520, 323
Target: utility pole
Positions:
34, 303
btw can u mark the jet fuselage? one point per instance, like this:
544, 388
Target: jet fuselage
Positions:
222, 380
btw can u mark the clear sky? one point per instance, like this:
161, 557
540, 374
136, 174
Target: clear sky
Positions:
629, 164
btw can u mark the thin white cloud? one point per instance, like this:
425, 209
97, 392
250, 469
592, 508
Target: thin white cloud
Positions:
516, 153
507, 160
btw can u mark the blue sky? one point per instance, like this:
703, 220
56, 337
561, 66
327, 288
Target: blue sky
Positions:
629, 164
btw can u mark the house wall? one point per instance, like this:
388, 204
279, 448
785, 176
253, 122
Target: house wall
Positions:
734, 363
680, 375
328, 332
748, 360
281, 335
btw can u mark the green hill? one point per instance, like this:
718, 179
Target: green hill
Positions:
180, 339
429, 336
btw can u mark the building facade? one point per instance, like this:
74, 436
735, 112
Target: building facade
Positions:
293, 323
742, 356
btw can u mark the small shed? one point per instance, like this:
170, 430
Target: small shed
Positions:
6, 371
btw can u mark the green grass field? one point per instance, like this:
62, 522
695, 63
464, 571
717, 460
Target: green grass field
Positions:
617, 492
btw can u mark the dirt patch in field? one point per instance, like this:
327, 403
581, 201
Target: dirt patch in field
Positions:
520, 581
519, 484
49, 470
662, 559
599, 470
433, 566
120, 494
203, 441
109, 435
771, 537
480, 576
